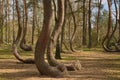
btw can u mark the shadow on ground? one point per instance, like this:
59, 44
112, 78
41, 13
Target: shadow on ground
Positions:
94, 67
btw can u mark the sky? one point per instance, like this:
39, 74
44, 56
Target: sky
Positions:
104, 2
106, 7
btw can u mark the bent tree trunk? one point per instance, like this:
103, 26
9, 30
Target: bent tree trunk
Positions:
63, 27
58, 48
22, 43
55, 34
75, 27
105, 40
43, 67
17, 41
115, 47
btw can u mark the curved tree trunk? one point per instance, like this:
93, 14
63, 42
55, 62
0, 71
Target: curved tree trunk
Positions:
17, 41
75, 27
114, 30
106, 40
63, 27
109, 27
44, 37
57, 53
116, 49
116, 25
22, 43
55, 34
53, 41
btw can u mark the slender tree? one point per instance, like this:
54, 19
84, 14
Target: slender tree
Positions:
13, 21
58, 49
18, 38
98, 18
23, 40
34, 19
84, 23
63, 26
119, 20
57, 53
75, 27
89, 27
8, 16
1, 20
6, 22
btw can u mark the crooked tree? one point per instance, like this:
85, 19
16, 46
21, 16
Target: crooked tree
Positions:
44, 37
24, 30
18, 38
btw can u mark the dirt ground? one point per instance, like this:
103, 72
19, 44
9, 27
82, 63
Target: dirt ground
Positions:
95, 66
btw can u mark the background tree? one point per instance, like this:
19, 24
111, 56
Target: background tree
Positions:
90, 28
99, 8
34, 19
84, 23
18, 38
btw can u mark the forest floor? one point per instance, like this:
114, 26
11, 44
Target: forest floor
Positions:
96, 65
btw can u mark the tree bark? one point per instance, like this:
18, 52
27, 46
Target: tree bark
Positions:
34, 19
9, 36
44, 37
116, 48
84, 23
6, 23
55, 34
1, 20
119, 22
17, 41
75, 27
58, 49
23, 41
98, 18
63, 26
106, 38
89, 28
13, 21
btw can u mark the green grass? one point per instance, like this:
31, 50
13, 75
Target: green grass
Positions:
2, 78
92, 49
108, 63
70, 58
8, 54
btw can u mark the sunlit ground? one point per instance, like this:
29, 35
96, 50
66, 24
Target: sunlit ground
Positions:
96, 65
